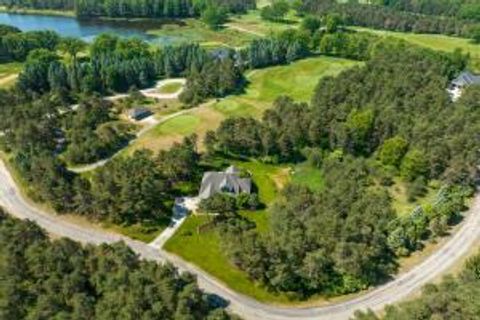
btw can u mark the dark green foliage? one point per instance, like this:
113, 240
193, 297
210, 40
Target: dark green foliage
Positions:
43, 279
92, 135
453, 298
15, 45
220, 203
214, 17
283, 48
275, 11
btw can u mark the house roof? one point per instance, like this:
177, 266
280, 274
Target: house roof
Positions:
139, 112
228, 181
466, 78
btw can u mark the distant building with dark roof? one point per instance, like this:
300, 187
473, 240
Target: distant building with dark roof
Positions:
138, 114
228, 181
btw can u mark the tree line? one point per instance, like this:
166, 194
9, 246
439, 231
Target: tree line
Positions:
389, 119
61, 279
134, 8
379, 17
16, 45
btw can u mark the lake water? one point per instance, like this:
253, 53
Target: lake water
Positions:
87, 29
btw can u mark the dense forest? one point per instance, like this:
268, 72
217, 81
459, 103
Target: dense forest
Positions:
390, 119
60, 279
453, 298
380, 17
134, 8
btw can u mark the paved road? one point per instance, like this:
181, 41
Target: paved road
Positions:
249, 309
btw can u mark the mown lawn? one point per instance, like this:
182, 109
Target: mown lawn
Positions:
297, 80
436, 42
170, 87
306, 175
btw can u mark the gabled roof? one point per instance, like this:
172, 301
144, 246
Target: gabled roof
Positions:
228, 181
466, 78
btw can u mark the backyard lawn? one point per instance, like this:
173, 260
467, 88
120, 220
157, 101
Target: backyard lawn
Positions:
204, 249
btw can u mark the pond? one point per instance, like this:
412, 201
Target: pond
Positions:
89, 29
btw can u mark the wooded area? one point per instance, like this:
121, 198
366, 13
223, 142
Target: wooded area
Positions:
60, 279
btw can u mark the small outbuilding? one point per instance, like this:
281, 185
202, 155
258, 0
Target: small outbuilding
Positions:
464, 80
138, 114
228, 181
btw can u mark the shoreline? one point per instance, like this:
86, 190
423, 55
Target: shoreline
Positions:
39, 12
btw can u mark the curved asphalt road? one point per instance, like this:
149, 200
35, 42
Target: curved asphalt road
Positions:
469, 232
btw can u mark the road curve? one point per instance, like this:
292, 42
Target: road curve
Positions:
456, 247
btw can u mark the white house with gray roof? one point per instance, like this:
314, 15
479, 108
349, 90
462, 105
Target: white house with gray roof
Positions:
228, 181
464, 80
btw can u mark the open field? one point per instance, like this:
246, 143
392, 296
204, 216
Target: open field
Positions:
191, 30
436, 42
297, 80
252, 23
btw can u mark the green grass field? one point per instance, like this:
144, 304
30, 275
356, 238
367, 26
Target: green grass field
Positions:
297, 80
252, 23
306, 175
195, 31
170, 88
436, 42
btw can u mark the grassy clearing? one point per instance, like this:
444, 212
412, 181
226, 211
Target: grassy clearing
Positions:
297, 80
306, 175
436, 42
163, 136
192, 30
9, 73
252, 23
400, 203
170, 88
